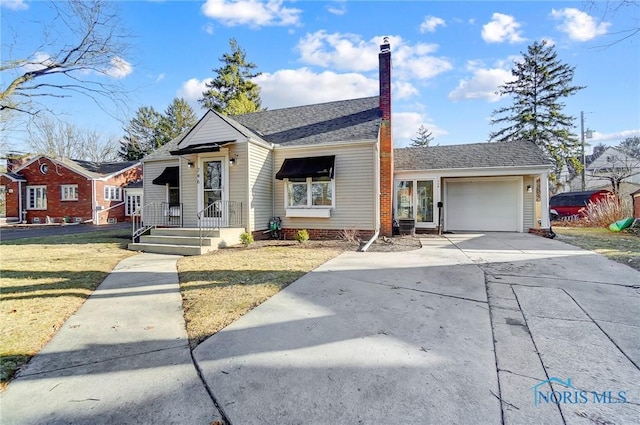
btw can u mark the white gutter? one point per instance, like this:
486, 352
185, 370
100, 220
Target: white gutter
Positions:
376, 199
368, 244
20, 206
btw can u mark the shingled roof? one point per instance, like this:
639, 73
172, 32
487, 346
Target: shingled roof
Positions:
345, 120
475, 155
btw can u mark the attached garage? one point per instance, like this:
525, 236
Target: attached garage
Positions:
483, 204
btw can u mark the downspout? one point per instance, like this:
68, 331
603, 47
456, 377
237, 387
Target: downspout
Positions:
94, 205
20, 206
376, 196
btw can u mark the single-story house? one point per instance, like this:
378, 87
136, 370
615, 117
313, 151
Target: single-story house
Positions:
331, 167
611, 163
54, 190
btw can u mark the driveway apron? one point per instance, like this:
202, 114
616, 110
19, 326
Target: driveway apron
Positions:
122, 358
467, 329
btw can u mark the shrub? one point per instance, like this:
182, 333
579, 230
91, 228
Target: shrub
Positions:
302, 235
246, 238
349, 235
607, 211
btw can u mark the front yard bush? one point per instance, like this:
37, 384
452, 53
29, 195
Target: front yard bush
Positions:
302, 236
246, 238
607, 211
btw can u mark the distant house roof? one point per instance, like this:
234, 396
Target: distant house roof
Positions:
92, 170
345, 120
475, 155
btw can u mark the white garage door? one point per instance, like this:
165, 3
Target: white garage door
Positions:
482, 205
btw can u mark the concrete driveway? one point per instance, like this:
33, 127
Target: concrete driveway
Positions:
472, 328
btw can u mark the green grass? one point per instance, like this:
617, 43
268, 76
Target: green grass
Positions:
623, 247
44, 281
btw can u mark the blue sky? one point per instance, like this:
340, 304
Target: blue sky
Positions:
448, 57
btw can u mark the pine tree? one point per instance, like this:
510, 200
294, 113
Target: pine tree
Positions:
631, 146
232, 92
541, 82
423, 139
177, 118
141, 134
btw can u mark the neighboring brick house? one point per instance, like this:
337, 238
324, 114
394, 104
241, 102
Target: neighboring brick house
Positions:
46, 190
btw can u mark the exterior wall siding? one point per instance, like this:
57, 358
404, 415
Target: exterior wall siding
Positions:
189, 193
237, 186
210, 130
529, 204
152, 169
260, 187
355, 203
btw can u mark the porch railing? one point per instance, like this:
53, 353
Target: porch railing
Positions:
155, 214
219, 214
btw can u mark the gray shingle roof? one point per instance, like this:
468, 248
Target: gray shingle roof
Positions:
341, 121
475, 155
101, 169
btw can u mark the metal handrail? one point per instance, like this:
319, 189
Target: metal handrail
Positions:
155, 214
218, 214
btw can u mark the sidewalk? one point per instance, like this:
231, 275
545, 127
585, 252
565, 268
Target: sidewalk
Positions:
122, 358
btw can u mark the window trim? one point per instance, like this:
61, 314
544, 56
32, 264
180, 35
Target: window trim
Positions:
107, 193
128, 205
30, 191
64, 192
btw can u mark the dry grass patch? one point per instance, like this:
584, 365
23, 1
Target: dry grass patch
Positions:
219, 287
44, 281
623, 247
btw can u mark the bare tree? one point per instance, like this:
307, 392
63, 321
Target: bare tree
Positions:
83, 52
619, 167
61, 139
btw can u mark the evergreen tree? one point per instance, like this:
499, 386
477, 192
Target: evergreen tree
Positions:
232, 92
631, 146
423, 139
177, 118
141, 134
541, 82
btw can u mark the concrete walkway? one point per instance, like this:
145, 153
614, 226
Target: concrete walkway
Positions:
465, 330
123, 358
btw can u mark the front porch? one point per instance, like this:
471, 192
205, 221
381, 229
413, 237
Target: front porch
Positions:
158, 228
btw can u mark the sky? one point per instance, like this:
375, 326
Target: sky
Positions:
449, 58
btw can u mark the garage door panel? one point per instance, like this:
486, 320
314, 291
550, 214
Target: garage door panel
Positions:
484, 205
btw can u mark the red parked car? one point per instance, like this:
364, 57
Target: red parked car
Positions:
573, 204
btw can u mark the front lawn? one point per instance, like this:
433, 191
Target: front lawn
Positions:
44, 281
219, 287
623, 247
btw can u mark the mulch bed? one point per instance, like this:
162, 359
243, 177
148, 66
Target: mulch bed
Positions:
382, 244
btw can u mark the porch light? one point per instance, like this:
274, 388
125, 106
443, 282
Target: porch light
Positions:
529, 189
233, 160
190, 164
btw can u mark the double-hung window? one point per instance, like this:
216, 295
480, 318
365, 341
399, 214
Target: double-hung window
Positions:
37, 197
69, 192
310, 192
112, 193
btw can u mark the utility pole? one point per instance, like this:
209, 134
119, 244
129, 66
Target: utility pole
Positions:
584, 162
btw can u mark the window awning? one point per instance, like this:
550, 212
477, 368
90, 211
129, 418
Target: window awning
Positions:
170, 176
315, 166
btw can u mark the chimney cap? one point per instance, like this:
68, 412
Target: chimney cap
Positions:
385, 46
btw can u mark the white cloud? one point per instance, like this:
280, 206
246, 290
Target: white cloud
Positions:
405, 127
502, 28
251, 12
40, 60
431, 23
350, 52
294, 87
208, 29
120, 68
483, 83
578, 25
14, 4
338, 7
160, 77
613, 137
191, 91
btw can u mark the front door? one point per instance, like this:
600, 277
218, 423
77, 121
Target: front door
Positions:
213, 196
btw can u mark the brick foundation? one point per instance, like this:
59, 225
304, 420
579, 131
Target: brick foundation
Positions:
324, 234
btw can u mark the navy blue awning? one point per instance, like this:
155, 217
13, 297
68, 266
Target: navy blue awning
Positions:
170, 176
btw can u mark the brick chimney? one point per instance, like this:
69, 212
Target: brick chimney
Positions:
386, 142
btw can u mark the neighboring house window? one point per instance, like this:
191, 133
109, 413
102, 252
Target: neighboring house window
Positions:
69, 192
112, 193
309, 192
37, 197
133, 202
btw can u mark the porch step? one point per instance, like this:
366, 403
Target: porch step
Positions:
186, 241
157, 248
